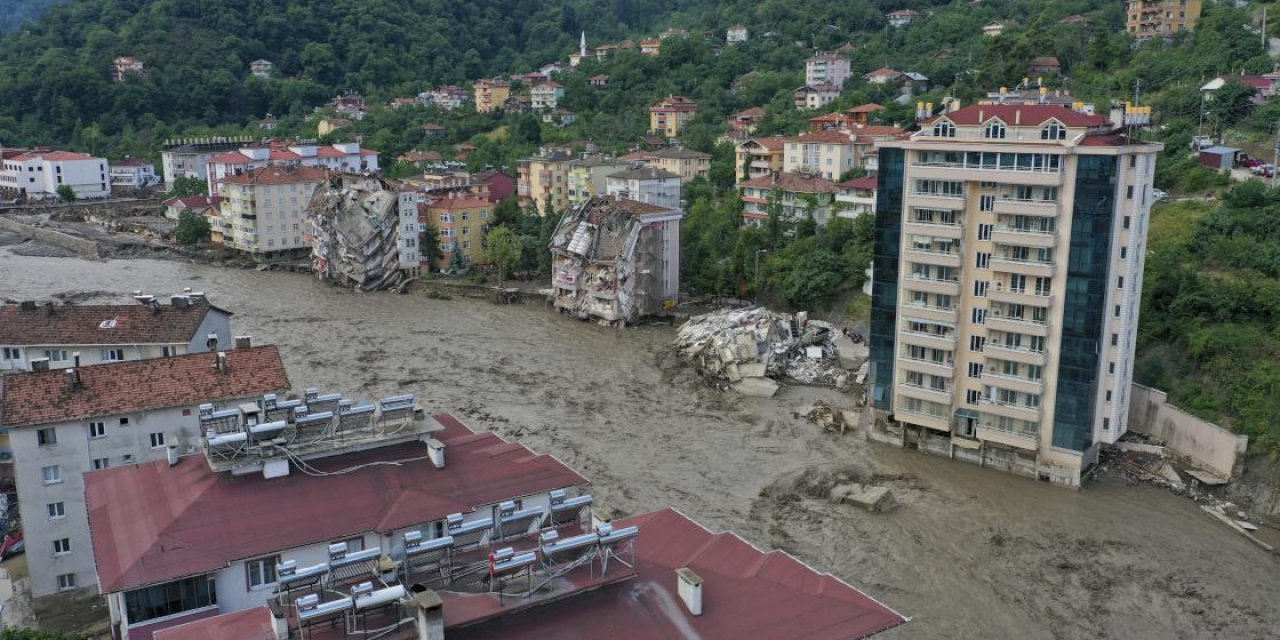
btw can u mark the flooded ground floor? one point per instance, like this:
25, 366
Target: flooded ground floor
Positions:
968, 553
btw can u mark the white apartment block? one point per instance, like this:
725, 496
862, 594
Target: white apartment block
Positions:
828, 154
262, 211
827, 68
547, 95
815, 96
38, 174
411, 228
189, 157
133, 174
64, 424
49, 336
1009, 253
649, 185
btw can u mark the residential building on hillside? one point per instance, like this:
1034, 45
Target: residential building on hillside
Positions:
993, 29
827, 68
799, 196
669, 115
1009, 254
189, 157
587, 176
861, 114
268, 123
350, 104
737, 34
491, 95
37, 174
599, 81
685, 163
342, 157
883, 75
650, 47
856, 197
462, 223
261, 212
544, 180
132, 173
1044, 64
901, 18
761, 156
498, 185
53, 336
649, 185
745, 121
547, 95
448, 97
124, 66
1151, 18
815, 96
64, 424
616, 260
261, 69
1265, 86
364, 232
559, 117
828, 154
327, 126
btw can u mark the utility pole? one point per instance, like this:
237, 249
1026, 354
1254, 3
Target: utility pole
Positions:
1264, 28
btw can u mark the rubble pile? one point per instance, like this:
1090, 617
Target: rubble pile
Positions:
745, 349
829, 417
357, 242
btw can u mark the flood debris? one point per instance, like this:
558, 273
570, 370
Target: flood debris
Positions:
829, 417
357, 242
731, 347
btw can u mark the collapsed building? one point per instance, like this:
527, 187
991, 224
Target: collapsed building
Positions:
616, 260
364, 232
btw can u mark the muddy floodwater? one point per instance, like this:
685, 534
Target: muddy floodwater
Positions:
968, 553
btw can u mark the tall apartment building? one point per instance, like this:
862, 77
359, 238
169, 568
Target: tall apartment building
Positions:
827, 68
1009, 251
650, 185
189, 157
1150, 18
64, 424
544, 180
669, 115
462, 222
588, 176
262, 211
39, 173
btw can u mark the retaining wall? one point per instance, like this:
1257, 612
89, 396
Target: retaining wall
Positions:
1193, 441
83, 248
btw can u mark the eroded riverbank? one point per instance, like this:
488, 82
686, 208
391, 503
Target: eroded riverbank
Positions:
968, 553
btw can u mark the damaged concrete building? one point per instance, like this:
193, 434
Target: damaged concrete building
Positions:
364, 232
616, 260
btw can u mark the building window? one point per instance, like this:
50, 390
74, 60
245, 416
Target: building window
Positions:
979, 316
983, 260
9, 353
124, 422
52, 474
57, 510
975, 369
972, 396
1115, 339
97, 429
61, 546
261, 572
112, 355
353, 544
984, 231
47, 437
66, 581
986, 203
1111, 368
1126, 224
170, 598
1124, 251
994, 129
1120, 282
101, 463
157, 440
980, 288
128, 458
1054, 131
56, 355
976, 343
944, 129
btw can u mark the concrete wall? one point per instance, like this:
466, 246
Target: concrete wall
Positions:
1197, 442
84, 248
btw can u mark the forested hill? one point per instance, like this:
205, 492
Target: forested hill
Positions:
17, 12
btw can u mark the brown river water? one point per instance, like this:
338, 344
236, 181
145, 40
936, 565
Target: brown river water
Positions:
968, 553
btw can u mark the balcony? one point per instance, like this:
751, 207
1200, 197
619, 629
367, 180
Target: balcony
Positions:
1016, 325
935, 257
951, 231
1021, 412
924, 393
1016, 354
1042, 208
929, 312
1025, 385
1024, 237
928, 200
937, 423
917, 283
1001, 292
930, 367
1025, 267
947, 342
957, 171
989, 433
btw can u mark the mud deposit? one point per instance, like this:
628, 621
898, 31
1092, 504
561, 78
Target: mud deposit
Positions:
967, 553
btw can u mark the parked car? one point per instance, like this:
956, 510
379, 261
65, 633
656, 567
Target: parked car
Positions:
1159, 194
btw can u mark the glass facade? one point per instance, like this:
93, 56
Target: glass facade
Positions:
169, 599
884, 275
1085, 302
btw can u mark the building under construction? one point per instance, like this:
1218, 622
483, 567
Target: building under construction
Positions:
364, 232
616, 260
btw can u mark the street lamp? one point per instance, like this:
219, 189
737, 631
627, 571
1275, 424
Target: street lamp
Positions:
758, 252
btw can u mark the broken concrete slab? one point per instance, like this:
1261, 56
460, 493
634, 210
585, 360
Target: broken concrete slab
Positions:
756, 387
752, 369
1138, 447
1206, 478
872, 498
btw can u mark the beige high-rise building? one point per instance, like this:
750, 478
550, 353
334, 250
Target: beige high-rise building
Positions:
1009, 250
1150, 18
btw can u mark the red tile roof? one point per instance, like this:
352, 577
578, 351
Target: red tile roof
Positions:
279, 175
81, 324
140, 385
825, 137
865, 183
284, 155
59, 156
753, 112
774, 143
828, 117
866, 108
1028, 115
250, 624
746, 593
459, 204
330, 152
232, 157
153, 523
193, 202
877, 130
791, 182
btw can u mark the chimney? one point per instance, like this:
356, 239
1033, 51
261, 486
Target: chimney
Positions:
155, 306
172, 452
220, 365
244, 342
435, 449
39, 364
27, 305
73, 379
689, 587
428, 614
75, 358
